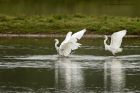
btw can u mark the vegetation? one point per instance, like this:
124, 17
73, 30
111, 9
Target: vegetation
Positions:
63, 24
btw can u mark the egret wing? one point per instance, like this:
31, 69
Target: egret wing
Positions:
70, 42
116, 38
67, 38
78, 35
72, 39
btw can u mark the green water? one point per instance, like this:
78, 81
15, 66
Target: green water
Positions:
86, 7
30, 65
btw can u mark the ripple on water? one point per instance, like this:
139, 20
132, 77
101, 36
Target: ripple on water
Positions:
85, 61
22, 89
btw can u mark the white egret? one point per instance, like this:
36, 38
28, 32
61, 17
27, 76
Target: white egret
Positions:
70, 43
116, 40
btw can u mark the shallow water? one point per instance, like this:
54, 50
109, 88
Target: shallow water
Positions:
32, 65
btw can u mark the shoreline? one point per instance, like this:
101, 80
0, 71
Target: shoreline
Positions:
61, 24
58, 35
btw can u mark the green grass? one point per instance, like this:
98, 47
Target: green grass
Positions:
62, 24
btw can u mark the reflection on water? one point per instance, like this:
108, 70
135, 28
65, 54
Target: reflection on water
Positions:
68, 76
30, 65
113, 69
75, 74
117, 76
53, 7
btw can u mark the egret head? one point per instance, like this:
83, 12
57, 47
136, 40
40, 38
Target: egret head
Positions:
105, 36
56, 40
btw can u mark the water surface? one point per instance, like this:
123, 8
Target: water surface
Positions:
54, 7
32, 65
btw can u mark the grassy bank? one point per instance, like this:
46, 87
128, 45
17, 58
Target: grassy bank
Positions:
63, 24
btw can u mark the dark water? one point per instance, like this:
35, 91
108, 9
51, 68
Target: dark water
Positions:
31, 65
87, 7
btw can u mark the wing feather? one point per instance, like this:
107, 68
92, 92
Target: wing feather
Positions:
70, 42
67, 38
66, 49
116, 39
78, 35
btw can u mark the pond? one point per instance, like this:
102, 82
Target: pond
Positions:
32, 65
87, 7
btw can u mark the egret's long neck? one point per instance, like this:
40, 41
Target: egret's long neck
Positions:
105, 44
56, 44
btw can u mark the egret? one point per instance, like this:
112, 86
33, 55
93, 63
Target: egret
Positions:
116, 40
70, 43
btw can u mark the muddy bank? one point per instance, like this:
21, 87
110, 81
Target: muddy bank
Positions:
56, 35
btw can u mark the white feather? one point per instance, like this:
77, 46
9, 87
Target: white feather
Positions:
116, 40
68, 36
70, 42
78, 35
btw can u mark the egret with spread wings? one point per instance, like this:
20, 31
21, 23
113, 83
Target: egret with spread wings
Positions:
70, 43
116, 40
